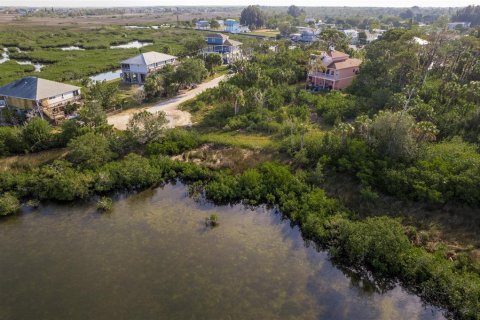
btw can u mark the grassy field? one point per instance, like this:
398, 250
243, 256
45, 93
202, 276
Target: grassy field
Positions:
32, 160
265, 32
42, 44
238, 139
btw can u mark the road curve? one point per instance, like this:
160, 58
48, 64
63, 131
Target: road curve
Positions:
175, 117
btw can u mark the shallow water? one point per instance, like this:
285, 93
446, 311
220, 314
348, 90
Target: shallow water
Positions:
38, 66
132, 44
153, 258
72, 48
107, 76
5, 56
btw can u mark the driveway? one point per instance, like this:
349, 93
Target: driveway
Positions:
175, 117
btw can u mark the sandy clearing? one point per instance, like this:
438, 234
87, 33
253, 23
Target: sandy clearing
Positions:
176, 118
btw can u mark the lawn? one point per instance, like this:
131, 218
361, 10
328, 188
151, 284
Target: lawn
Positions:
265, 32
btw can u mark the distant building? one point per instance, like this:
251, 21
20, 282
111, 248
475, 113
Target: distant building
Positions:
32, 95
136, 69
352, 35
305, 35
221, 23
221, 44
371, 36
232, 26
202, 25
310, 20
420, 41
455, 25
332, 70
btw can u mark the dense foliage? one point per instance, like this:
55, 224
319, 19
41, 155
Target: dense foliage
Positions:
468, 14
253, 17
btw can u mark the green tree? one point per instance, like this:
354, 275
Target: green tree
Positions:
104, 93
214, 24
194, 44
145, 127
232, 94
393, 134
154, 86
93, 115
90, 150
294, 11
212, 61
334, 38
253, 17
191, 71
37, 134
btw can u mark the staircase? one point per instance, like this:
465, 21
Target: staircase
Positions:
55, 115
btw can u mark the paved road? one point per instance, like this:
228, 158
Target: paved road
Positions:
176, 118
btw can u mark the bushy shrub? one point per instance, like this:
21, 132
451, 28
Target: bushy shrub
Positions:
105, 204
9, 204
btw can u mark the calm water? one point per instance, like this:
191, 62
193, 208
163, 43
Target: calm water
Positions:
38, 66
107, 76
133, 44
153, 258
72, 48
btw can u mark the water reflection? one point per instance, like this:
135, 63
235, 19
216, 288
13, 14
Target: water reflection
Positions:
72, 48
132, 44
107, 76
152, 258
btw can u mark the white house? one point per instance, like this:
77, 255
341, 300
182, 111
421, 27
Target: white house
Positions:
32, 95
352, 35
136, 69
454, 25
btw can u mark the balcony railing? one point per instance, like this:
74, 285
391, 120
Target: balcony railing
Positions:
61, 103
322, 75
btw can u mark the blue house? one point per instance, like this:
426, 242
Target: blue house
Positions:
202, 25
221, 44
232, 26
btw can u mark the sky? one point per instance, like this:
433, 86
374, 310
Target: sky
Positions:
313, 3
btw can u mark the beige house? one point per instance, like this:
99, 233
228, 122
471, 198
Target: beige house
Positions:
332, 70
43, 97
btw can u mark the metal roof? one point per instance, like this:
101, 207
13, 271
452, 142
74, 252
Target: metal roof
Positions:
33, 88
149, 58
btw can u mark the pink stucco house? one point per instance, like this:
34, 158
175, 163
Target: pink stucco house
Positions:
332, 69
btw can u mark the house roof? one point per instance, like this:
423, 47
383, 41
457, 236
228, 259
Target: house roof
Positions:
148, 58
233, 43
337, 54
33, 88
217, 35
349, 63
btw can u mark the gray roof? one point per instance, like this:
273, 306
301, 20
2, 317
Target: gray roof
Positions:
33, 88
149, 58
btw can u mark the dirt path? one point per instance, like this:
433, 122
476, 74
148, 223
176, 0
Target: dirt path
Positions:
176, 118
